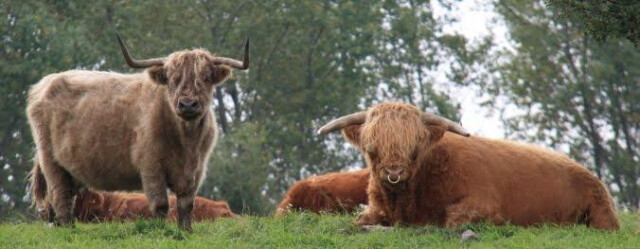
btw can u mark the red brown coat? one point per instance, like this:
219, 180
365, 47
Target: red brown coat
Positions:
94, 206
425, 175
332, 192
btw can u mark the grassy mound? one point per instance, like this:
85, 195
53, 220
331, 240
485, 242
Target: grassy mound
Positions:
305, 230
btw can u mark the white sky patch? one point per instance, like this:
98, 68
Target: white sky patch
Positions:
475, 20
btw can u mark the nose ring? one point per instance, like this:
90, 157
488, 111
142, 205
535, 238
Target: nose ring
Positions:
393, 182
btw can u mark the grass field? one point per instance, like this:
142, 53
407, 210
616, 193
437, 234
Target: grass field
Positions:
304, 230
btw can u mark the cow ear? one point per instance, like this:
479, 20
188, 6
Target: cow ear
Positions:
220, 73
352, 134
436, 132
158, 74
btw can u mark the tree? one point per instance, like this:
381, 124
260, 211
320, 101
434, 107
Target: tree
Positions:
238, 170
602, 20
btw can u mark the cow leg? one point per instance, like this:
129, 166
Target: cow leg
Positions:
185, 209
155, 188
59, 182
60, 189
374, 214
458, 215
186, 188
50, 214
45, 211
468, 211
370, 217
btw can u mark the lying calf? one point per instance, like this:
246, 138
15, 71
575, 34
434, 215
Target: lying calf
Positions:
95, 206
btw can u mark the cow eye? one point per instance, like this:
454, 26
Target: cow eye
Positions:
177, 79
373, 155
414, 154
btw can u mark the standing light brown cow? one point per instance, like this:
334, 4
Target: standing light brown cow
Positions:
332, 192
422, 174
110, 131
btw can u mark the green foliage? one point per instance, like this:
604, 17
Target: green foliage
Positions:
603, 20
305, 230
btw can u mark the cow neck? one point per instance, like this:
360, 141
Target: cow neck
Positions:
191, 136
194, 128
400, 201
184, 138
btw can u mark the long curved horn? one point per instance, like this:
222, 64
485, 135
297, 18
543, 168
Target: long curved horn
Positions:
344, 121
137, 63
432, 119
242, 65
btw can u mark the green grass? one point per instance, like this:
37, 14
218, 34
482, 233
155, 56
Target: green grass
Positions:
305, 230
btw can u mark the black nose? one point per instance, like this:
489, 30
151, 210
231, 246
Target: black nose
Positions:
188, 105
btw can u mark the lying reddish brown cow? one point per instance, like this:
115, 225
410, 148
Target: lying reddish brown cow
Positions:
93, 206
424, 175
333, 192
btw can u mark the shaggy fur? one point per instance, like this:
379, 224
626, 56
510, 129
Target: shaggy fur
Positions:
333, 192
95, 206
111, 131
450, 180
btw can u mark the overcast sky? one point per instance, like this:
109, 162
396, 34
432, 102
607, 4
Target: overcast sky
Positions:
476, 19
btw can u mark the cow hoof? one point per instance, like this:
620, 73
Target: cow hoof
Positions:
186, 228
468, 235
64, 223
366, 219
375, 228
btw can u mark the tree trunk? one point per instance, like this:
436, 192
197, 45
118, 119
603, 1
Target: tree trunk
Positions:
222, 111
232, 90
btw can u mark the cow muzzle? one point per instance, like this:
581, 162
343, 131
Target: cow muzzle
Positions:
189, 109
